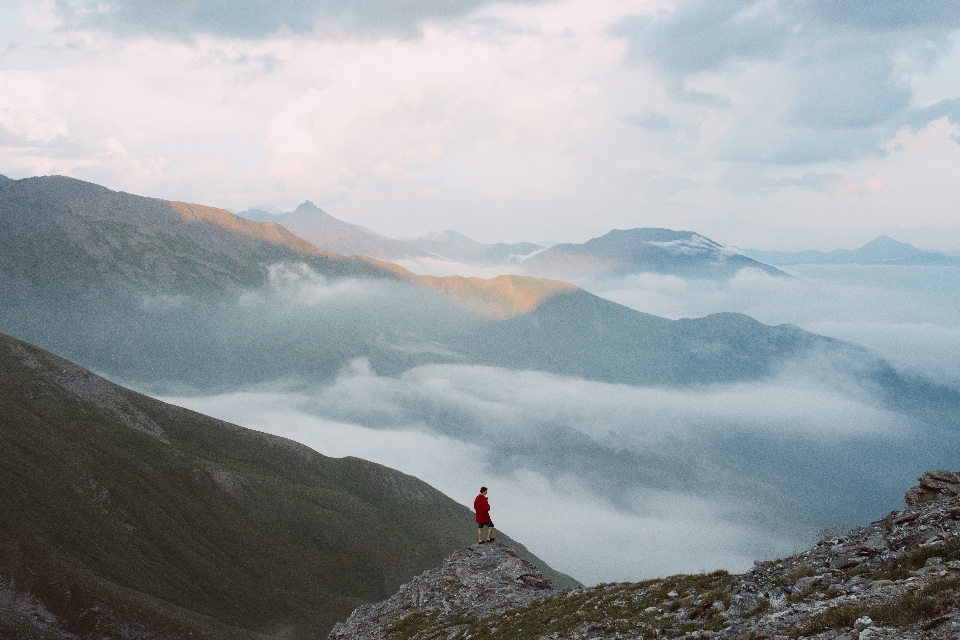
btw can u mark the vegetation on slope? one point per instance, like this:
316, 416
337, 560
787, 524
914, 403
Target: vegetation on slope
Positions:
122, 512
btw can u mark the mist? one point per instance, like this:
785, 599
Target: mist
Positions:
908, 315
605, 477
618, 482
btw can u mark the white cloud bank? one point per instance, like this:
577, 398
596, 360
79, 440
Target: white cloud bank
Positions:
909, 315
561, 456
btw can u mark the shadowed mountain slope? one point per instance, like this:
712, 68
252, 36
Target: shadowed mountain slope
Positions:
126, 516
648, 250
882, 250
148, 290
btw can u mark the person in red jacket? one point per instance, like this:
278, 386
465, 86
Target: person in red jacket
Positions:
482, 507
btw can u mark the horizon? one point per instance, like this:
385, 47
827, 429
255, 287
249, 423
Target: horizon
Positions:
274, 211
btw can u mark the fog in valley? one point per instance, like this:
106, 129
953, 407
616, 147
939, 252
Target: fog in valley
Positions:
613, 481
909, 315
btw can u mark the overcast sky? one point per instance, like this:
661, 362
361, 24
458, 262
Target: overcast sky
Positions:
779, 124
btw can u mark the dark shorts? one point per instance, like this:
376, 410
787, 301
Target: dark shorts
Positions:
481, 525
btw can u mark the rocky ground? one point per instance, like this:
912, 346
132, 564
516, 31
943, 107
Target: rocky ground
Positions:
897, 578
474, 583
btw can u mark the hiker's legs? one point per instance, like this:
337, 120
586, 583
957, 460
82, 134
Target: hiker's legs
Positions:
489, 533
480, 534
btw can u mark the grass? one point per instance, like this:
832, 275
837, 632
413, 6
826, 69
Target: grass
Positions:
619, 607
901, 569
218, 531
927, 604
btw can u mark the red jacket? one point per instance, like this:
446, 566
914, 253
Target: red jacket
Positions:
482, 507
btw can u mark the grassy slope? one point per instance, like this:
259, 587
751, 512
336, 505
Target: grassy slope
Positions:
122, 511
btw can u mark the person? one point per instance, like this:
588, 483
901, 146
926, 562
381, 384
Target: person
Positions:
482, 507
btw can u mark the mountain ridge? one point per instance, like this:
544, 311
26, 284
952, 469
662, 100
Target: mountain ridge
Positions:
122, 511
624, 252
882, 250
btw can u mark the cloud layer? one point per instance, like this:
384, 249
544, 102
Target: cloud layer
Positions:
615, 482
909, 315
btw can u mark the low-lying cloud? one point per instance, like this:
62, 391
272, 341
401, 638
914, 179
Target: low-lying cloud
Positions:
908, 315
614, 482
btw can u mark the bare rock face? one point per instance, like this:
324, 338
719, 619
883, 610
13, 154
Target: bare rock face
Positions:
476, 582
933, 485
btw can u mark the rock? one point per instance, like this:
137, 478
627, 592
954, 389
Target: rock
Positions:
478, 581
877, 567
805, 583
934, 484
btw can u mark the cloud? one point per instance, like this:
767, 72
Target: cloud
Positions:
866, 15
556, 516
258, 18
906, 314
615, 482
502, 120
800, 82
650, 120
656, 185
753, 178
697, 36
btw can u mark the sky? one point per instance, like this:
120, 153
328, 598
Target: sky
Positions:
777, 124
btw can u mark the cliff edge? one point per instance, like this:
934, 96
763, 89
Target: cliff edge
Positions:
477, 582
896, 578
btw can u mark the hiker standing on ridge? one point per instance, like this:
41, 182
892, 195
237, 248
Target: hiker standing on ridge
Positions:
482, 507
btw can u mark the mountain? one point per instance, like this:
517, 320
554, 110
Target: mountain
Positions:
896, 578
128, 517
882, 250
330, 234
648, 250
57, 232
457, 247
261, 213
365, 339
326, 232
148, 290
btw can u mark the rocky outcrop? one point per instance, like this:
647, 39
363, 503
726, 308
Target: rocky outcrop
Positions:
932, 485
897, 578
477, 582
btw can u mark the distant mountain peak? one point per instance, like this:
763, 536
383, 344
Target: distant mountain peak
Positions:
308, 206
886, 241
453, 245
643, 250
4, 178
882, 250
447, 236
649, 234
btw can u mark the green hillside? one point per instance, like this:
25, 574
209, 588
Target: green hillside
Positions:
127, 517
